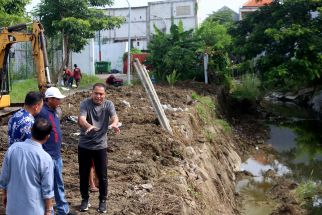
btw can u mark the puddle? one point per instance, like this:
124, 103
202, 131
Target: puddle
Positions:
297, 139
254, 190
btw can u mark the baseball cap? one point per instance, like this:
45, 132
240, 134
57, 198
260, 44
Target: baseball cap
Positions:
53, 92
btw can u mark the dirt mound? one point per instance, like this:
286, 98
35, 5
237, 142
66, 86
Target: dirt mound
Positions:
150, 171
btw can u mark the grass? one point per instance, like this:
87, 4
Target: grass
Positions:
224, 125
307, 190
21, 87
205, 107
247, 89
89, 80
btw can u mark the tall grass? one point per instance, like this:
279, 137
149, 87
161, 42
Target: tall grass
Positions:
248, 88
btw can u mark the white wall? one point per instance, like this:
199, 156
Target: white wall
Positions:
142, 20
162, 10
85, 59
112, 52
138, 23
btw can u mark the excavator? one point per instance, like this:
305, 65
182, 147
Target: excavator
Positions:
8, 37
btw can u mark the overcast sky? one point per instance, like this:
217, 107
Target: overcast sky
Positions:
206, 7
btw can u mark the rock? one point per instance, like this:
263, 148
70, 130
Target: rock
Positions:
316, 102
147, 187
126, 103
190, 152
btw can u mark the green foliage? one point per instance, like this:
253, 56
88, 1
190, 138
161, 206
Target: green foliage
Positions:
248, 88
224, 125
174, 51
223, 17
12, 12
76, 20
284, 39
195, 96
228, 82
307, 190
205, 108
216, 42
173, 78
210, 135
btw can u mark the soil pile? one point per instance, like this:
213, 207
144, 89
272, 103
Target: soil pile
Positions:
150, 171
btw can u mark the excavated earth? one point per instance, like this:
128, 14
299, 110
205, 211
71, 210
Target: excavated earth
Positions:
153, 172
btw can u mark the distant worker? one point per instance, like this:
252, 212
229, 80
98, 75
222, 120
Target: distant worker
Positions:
95, 114
53, 99
77, 75
67, 77
27, 174
70, 76
19, 125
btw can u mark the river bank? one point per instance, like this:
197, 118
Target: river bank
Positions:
195, 171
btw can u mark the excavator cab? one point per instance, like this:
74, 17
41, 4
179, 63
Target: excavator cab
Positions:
19, 33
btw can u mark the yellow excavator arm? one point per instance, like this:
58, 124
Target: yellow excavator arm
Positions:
15, 34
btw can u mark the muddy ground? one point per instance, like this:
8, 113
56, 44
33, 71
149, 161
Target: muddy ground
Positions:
153, 172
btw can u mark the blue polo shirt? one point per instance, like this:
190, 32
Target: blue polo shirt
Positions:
53, 145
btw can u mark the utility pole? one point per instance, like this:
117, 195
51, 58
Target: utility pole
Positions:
129, 46
99, 46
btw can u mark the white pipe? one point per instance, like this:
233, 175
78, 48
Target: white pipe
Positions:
129, 47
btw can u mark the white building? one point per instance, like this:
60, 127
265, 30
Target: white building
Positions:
114, 42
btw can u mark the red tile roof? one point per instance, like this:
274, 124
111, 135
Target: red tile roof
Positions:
256, 3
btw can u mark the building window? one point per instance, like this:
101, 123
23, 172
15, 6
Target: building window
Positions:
137, 43
184, 10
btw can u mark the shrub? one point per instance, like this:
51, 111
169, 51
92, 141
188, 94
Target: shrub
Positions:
173, 78
248, 88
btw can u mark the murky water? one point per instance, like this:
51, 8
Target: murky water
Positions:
297, 138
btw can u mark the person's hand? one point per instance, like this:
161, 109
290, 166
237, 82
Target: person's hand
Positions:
115, 128
91, 128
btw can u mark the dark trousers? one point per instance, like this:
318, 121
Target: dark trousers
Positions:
85, 159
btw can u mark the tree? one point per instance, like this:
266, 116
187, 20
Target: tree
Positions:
284, 40
174, 51
76, 20
12, 11
216, 43
224, 16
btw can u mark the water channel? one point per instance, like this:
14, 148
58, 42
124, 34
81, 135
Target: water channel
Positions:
296, 136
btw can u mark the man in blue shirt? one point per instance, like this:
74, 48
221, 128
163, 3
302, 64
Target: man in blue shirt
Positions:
19, 125
53, 146
27, 175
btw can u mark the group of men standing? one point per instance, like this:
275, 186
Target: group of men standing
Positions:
31, 173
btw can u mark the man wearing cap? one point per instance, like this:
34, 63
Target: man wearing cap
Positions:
53, 146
